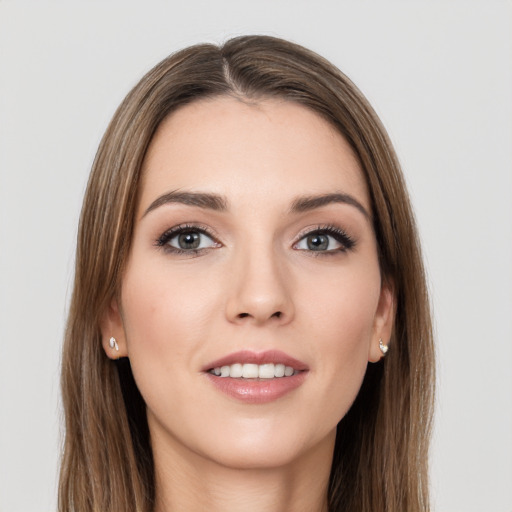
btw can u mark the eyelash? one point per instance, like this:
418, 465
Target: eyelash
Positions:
163, 240
347, 243
341, 236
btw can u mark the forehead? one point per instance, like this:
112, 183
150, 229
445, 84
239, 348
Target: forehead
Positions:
270, 150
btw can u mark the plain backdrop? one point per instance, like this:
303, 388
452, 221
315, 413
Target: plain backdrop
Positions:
438, 73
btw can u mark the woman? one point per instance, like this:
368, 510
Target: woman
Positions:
246, 255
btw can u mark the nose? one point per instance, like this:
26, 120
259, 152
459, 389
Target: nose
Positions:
259, 289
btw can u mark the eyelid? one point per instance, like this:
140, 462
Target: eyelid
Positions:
163, 239
339, 234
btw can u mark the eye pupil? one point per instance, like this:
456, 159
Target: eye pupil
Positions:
318, 242
189, 240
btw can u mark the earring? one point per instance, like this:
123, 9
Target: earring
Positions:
383, 348
113, 344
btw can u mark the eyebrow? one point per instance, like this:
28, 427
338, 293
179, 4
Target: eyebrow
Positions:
219, 203
307, 203
200, 199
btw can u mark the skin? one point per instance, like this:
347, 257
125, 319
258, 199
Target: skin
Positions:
255, 284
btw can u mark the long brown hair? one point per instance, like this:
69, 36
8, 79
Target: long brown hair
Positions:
381, 455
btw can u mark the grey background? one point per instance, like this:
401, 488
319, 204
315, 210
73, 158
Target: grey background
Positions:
439, 74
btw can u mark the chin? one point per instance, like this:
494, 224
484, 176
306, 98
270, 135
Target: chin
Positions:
264, 446
255, 456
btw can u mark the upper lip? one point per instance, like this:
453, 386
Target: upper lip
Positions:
251, 357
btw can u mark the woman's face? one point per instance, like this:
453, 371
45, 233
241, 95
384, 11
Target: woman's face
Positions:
253, 254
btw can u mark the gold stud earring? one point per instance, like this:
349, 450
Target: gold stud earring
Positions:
383, 348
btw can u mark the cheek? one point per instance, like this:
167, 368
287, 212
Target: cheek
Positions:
162, 307
166, 318
343, 306
341, 311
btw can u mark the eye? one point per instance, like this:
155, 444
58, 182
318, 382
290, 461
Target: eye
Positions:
186, 239
327, 240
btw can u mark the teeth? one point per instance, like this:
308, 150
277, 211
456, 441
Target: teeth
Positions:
254, 371
279, 370
250, 371
236, 370
288, 371
266, 371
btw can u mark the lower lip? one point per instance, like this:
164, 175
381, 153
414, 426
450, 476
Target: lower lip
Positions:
257, 391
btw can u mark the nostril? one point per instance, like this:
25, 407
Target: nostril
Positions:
277, 314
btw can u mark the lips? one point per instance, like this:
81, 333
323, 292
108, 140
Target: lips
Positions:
256, 377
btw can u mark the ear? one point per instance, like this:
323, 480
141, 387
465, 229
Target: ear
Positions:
383, 321
111, 325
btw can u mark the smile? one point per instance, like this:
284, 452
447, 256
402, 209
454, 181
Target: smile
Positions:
256, 377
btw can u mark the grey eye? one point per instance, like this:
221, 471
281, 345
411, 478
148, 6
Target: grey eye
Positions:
191, 240
318, 242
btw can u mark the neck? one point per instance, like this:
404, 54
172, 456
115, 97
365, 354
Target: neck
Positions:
188, 481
